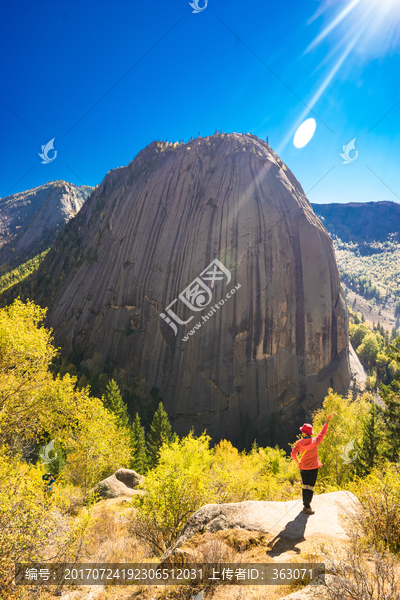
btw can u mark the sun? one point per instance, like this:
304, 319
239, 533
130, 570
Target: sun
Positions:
374, 23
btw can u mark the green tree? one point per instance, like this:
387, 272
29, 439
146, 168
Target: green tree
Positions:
370, 446
113, 402
160, 433
391, 413
391, 416
139, 451
369, 348
82, 382
358, 334
381, 363
58, 464
371, 381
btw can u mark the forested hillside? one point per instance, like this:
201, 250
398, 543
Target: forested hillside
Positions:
366, 237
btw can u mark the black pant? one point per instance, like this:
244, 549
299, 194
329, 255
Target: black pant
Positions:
309, 478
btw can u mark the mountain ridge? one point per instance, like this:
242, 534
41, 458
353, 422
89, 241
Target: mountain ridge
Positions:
30, 220
367, 221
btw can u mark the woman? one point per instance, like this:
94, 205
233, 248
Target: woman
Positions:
309, 462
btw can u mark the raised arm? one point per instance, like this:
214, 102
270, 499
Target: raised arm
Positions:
322, 433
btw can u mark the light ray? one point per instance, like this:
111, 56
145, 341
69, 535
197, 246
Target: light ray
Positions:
349, 35
332, 25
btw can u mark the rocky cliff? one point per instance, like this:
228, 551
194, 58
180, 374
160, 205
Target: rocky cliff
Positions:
203, 267
30, 220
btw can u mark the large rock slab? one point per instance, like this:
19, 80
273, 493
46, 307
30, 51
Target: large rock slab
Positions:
281, 519
273, 335
357, 370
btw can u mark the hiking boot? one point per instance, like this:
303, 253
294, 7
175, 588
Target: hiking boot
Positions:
308, 511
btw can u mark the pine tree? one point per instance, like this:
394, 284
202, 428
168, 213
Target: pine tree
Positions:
160, 432
391, 414
369, 449
139, 460
112, 400
57, 465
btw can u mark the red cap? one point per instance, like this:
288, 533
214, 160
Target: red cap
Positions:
307, 429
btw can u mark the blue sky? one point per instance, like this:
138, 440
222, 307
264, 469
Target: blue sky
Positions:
105, 79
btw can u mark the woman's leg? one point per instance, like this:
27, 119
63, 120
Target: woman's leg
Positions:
312, 479
304, 479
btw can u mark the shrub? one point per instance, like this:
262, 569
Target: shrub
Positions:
263, 474
33, 526
379, 494
175, 489
362, 572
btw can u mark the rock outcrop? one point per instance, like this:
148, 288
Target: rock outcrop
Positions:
285, 520
122, 483
30, 220
357, 370
203, 267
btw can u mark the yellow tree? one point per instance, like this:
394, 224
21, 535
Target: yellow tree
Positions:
337, 450
25, 353
33, 404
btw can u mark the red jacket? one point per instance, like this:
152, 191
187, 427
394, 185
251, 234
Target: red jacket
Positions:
308, 449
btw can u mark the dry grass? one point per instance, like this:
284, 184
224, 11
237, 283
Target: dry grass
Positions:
107, 538
364, 572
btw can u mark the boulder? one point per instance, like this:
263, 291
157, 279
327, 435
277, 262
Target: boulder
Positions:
283, 520
129, 478
121, 483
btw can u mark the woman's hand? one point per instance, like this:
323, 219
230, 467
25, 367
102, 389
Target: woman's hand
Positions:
329, 417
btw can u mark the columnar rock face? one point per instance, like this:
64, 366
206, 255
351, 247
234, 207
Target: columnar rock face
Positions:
218, 219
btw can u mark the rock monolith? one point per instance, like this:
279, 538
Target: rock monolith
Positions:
203, 267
